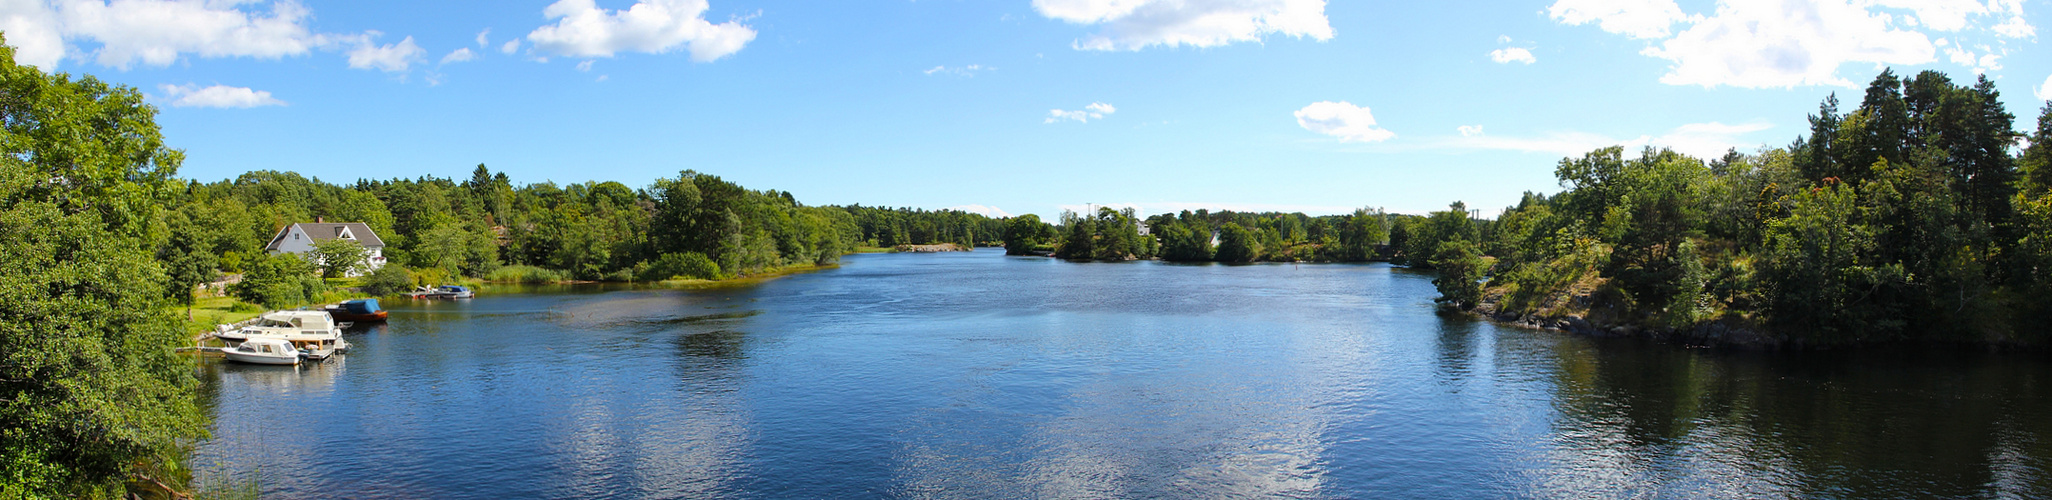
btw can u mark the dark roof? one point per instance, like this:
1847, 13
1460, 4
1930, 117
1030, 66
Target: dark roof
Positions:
323, 231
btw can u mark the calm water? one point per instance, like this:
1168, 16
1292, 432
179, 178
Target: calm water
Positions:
979, 375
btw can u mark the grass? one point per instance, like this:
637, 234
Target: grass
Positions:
210, 311
863, 249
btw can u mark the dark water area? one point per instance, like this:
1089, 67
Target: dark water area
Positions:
980, 375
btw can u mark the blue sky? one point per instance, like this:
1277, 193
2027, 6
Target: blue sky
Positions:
1014, 106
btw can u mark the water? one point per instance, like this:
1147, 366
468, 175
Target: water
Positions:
980, 375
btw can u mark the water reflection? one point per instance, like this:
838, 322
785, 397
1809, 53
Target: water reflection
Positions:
987, 376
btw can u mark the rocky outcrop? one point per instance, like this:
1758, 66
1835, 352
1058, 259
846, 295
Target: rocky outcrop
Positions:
1579, 313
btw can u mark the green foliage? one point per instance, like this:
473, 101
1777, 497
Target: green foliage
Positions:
687, 265
1237, 244
338, 257
1461, 269
526, 274
90, 389
1023, 234
387, 280
279, 281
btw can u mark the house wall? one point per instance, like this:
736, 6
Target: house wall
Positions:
297, 242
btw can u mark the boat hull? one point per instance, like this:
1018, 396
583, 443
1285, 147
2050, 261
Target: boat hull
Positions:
375, 317
260, 359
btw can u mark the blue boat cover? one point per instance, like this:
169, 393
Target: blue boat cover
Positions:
361, 306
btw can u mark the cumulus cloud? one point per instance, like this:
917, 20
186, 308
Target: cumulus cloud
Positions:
1137, 24
1788, 43
1343, 120
969, 71
459, 55
1701, 140
2044, 90
1633, 18
986, 210
1512, 54
484, 38
1785, 43
1094, 111
583, 29
511, 46
218, 96
1470, 130
152, 32
390, 58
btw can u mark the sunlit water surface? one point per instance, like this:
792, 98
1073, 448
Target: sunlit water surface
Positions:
980, 375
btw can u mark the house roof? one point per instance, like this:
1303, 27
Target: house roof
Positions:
323, 231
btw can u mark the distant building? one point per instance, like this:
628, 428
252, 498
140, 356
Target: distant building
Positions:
300, 238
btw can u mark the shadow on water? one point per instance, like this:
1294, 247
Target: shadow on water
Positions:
1874, 423
717, 344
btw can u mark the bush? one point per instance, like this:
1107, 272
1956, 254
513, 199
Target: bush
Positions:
387, 280
687, 265
526, 274
279, 281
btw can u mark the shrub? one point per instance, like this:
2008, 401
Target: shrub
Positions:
687, 265
279, 281
387, 280
526, 274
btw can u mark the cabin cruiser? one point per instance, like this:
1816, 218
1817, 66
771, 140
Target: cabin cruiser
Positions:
314, 332
358, 311
263, 351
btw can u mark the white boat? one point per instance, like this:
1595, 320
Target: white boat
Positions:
314, 332
263, 351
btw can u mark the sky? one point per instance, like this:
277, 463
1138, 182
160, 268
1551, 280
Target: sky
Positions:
1008, 107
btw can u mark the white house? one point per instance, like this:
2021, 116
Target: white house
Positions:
300, 238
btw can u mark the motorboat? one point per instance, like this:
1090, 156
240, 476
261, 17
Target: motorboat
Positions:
263, 351
359, 311
443, 292
314, 332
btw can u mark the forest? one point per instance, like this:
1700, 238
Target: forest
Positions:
1915, 216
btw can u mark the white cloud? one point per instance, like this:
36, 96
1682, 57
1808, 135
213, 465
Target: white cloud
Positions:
218, 96
511, 46
1633, 18
1343, 120
986, 210
484, 38
1982, 64
1941, 15
1470, 130
1785, 43
153, 32
459, 55
390, 58
969, 71
1137, 24
2044, 90
1788, 43
1094, 111
1512, 54
583, 29
584, 66
1701, 140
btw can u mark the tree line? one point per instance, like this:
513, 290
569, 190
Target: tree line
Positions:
1915, 216
1205, 236
103, 239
